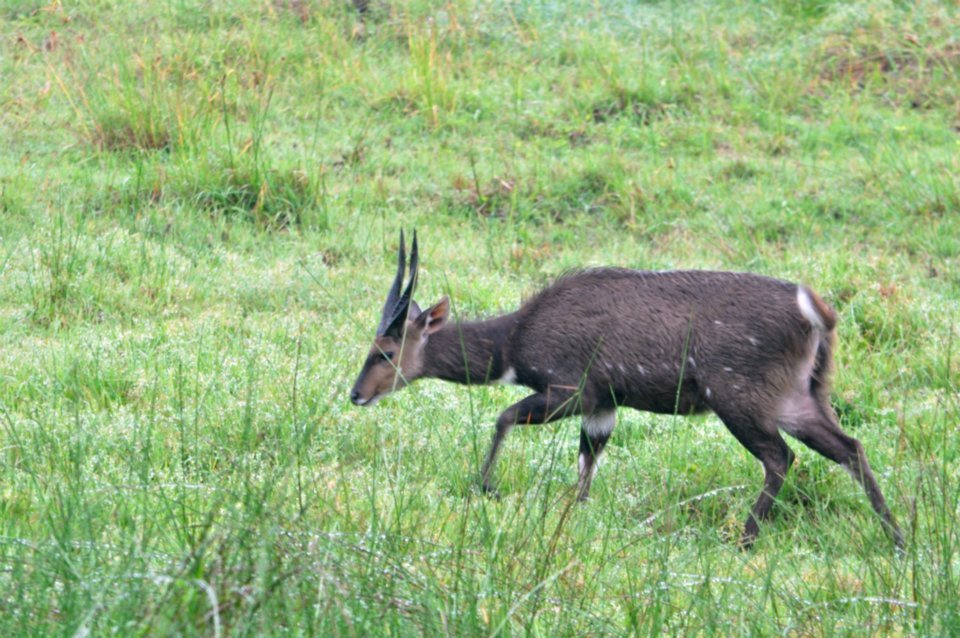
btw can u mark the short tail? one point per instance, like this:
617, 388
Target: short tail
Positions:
815, 310
822, 368
823, 320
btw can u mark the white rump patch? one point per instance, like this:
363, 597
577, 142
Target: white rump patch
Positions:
509, 376
600, 423
808, 310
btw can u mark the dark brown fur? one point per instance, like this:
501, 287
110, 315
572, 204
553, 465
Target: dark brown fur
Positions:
739, 345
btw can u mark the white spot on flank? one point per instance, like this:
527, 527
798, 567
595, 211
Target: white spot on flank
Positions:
534, 368
549, 370
726, 369
609, 366
509, 376
718, 322
808, 310
622, 369
693, 364
754, 341
640, 369
709, 394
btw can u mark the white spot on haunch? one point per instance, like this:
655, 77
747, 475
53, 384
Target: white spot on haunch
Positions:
693, 364
709, 394
726, 369
609, 366
622, 369
534, 369
754, 341
640, 369
509, 376
718, 322
549, 370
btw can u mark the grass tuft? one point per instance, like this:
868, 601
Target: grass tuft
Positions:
271, 199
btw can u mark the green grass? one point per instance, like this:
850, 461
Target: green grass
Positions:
199, 205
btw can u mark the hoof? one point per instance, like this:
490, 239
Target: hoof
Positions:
490, 492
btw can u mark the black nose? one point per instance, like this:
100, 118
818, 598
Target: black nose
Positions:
355, 397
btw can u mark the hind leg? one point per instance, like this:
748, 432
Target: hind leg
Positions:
761, 439
814, 424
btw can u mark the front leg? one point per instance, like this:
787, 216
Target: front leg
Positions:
542, 407
594, 435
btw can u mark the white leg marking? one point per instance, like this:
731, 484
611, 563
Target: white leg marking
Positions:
509, 376
583, 466
599, 423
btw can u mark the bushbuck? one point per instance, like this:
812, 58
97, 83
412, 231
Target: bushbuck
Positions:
754, 350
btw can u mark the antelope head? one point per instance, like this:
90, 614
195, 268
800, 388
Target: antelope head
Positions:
397, 356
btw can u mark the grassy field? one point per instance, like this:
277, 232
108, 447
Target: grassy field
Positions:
199, 209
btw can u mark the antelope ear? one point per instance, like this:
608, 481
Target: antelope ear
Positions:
433, 318
414, 311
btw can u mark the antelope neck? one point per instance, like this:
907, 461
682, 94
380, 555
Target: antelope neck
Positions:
472, 352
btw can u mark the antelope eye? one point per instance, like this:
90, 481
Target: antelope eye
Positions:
386, 356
